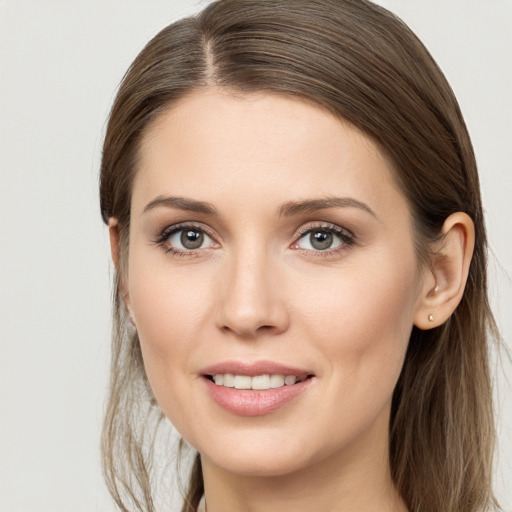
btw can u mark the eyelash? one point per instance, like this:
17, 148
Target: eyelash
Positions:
168, 231
347, 238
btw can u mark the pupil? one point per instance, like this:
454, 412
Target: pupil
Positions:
321, 240
192, 239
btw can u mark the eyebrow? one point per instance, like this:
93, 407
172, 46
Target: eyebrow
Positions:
288, 209
312, 205
182, 203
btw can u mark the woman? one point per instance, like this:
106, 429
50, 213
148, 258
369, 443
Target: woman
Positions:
295, 220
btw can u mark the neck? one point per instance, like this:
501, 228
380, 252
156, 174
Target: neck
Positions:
354, 479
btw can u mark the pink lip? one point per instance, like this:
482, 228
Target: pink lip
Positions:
249, 402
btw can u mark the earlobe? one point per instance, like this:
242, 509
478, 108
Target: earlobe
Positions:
444, 285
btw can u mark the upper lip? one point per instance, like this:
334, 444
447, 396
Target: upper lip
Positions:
254, 368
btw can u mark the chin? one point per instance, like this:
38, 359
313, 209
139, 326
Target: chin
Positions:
261, 457
262, 466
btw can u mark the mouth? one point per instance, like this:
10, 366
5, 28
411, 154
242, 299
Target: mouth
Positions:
255, 388
256, 382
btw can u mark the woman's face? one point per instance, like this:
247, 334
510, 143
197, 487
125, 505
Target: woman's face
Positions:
269, 240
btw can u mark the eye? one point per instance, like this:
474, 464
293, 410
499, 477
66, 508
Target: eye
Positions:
185, 239
324, 239
189, 239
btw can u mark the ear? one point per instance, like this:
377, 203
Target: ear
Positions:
113, 231
444, 282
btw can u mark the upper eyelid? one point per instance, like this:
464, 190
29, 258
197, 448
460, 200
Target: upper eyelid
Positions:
298, 233
323, 225
163, 236
173, 228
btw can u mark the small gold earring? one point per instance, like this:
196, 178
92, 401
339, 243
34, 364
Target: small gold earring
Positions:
430, 318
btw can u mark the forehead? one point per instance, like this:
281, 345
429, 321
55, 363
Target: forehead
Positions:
220, 146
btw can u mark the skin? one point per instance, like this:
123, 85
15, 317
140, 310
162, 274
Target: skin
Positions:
258, 290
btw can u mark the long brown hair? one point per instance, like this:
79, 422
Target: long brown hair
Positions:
364, 65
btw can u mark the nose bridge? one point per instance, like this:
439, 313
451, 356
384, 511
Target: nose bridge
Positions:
251, 301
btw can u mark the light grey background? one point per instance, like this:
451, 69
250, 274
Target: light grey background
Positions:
60, 63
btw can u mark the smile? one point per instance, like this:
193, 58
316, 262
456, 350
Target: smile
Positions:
255, 388
257, 382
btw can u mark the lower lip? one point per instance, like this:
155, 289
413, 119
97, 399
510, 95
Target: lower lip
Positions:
247, 402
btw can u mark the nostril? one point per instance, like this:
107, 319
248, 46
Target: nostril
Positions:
252, 314
247, 331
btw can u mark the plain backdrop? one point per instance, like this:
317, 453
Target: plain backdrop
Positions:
60, 64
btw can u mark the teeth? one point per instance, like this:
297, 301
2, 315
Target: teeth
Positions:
228, 380
258, 382
242, 382
261, 382
277, 381
289, 380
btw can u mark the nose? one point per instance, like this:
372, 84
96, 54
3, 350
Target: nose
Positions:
252, 298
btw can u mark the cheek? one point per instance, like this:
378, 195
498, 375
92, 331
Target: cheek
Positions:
364, 318
170, 307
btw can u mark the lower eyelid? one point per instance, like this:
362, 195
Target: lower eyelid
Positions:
345, 238
345, 241
209, 241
